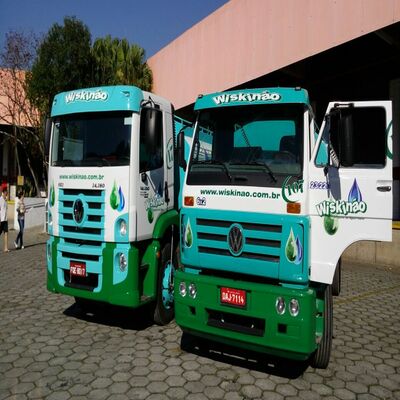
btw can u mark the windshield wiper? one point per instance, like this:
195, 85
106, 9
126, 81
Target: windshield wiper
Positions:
262, 164
216, 162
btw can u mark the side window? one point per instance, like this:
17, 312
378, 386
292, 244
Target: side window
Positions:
151, 139
369, 136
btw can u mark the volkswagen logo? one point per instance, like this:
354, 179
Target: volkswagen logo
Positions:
235, 239
78, 210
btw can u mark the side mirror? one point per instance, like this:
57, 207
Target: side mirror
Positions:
346, 140
47, 134
181, 150
151, 120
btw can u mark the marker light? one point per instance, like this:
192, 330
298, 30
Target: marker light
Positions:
192, 290
122, 262
122, 227
189, 201
293, 208
280, 305
294, 308
182, 289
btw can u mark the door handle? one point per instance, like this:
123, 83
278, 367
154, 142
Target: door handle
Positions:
384, 188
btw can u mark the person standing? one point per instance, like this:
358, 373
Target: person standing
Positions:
20, 207
4, 219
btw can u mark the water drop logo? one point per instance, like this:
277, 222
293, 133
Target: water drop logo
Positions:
150, 215
331, 224
355, 193
117, 199
121, 204
353, 205
188, 235
294, 249
52, 195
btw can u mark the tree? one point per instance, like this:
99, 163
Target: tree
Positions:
17, 111
116, 62
62, 63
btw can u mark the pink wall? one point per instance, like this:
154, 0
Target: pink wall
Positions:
245, 39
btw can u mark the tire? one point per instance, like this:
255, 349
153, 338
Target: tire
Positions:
320, 358
164, 307
337, 279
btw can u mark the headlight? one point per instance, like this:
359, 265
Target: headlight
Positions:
294, 308
280, 305
122, 262
122, 227
192, 290
49, 218
182, 289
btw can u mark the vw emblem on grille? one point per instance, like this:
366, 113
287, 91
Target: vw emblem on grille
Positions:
235, 239
78, 211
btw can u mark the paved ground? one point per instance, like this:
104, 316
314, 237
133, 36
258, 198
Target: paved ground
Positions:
49, 349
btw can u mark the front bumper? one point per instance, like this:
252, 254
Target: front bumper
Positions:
257, 326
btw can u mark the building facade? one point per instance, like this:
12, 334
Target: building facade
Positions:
336, 49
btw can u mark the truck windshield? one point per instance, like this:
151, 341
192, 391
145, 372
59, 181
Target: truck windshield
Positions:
92, 139
250, 146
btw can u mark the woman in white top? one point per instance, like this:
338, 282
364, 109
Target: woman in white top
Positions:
3, 219
20, 207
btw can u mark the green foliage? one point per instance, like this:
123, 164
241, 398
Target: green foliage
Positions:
66, 61
62, 63
116, 62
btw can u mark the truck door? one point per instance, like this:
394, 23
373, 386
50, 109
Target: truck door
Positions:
152, 171
350, 182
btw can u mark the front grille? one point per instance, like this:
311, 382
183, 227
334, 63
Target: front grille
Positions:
92, 227
262, 241
82, 242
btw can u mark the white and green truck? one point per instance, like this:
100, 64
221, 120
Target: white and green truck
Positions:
113, 198
269, 204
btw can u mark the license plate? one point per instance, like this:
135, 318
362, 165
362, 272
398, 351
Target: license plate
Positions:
233, 297
77, 268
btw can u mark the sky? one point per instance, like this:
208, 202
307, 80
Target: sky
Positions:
151, 24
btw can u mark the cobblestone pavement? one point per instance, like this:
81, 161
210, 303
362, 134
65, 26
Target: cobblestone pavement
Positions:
50, 349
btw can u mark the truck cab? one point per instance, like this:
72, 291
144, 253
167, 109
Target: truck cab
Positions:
112, 206
269, 205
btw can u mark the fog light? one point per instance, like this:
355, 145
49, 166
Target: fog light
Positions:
192, 291
294, 308
280, 305
182, 289
122, 227
122, 262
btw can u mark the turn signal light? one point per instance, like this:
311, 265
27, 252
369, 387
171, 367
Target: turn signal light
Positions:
189, 201
293, 208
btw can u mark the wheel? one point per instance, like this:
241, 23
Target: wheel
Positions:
337, 279
320, 358
164, 308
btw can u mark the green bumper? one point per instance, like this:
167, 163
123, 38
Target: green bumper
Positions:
257, 326
136, 287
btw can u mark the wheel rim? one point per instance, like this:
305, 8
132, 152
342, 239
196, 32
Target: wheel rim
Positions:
168, 286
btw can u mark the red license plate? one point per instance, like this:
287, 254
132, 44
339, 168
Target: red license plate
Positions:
234, 297
77, 268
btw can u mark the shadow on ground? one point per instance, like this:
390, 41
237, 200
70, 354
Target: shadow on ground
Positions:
105, 314
243, 358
